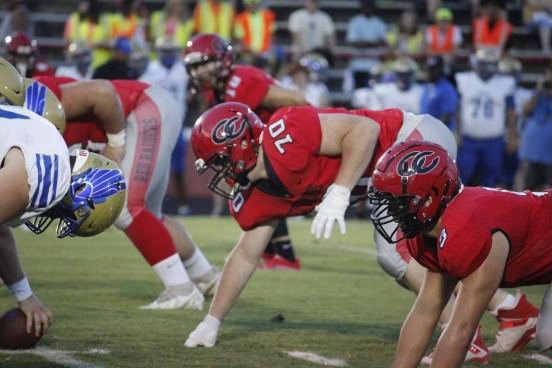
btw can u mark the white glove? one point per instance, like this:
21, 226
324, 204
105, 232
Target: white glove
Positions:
331, 209
205, 334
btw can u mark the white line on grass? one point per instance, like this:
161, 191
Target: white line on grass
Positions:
315, 358
539, 358
61, 357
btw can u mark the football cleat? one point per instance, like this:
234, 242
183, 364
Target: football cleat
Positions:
208, 283
277, 262
517, 326
185, 296
477, 353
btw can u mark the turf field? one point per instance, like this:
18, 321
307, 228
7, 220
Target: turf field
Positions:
340, 306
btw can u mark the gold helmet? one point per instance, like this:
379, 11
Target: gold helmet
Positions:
11, 83
94, 201
41, 100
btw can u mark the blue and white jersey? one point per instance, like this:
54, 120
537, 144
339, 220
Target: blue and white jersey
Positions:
484, 104
46, 157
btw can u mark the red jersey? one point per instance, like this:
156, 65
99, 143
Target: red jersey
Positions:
249, 85
298, 175
466, 230
88, 130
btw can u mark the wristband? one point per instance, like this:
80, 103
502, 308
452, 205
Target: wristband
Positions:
21, 289
116, 139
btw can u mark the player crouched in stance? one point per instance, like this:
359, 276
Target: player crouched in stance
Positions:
36, 179
486, 238
277, 170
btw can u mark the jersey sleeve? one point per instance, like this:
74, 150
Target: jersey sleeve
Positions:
253, 208
463, 246
292, 139
53, 83
248, 85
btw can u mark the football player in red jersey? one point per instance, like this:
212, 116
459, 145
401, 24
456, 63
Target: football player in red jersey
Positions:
21, 51
486, 238
210, 63
135, 123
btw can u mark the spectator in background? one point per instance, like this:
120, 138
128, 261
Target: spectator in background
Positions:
491, 29
365, 32
79, 59
407, 38
538, 14
439, 97
486, 119
118, 67
22, 52
169, 72
126, 21
214, 16
403, 93
536, 139
306, 76
254, 29
312, 30
172, 22
512, 67
88, 25
443, 38
16, 19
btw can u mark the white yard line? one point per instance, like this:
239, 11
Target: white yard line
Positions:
61, 357
318, 359
539, 358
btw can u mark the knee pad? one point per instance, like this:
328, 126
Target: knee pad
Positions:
389, 259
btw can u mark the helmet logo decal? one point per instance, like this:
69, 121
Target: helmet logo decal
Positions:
416, 163
228, 129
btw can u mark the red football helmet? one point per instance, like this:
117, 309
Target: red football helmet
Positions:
226, 139
203, 48
412, 184
20, 51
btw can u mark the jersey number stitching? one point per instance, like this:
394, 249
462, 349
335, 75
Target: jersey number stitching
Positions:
277, 129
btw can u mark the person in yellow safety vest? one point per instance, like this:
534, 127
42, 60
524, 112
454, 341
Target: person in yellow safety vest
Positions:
172, 22
214, 16
86, 24
125, 21
254, 27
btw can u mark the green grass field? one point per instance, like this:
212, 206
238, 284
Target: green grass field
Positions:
340, 305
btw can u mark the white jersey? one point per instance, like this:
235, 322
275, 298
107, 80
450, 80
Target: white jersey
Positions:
174, 80
365, 98
71, 71
390, 96
46, 157
483, 104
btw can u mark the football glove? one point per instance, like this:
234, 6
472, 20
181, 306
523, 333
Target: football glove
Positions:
331, 209
205, 334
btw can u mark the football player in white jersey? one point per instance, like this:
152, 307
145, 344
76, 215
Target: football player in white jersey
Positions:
487, 120
37, 187
404, 93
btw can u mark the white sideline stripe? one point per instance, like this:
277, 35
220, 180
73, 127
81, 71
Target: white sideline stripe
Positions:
315, 358
62, 357
539, 358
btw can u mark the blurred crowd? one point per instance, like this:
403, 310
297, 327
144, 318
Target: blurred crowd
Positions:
505, 129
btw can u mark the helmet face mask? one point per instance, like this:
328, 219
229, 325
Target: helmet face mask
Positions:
413, 184
94, 201
225, 139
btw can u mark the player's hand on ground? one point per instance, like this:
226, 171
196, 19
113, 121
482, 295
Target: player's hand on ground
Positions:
331, 209
205, 334
38, 316
114, 153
